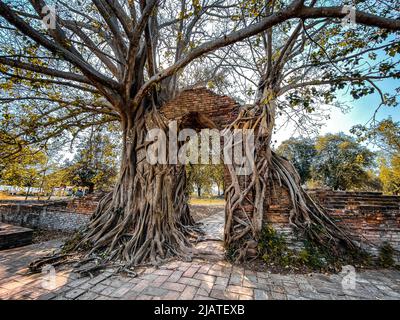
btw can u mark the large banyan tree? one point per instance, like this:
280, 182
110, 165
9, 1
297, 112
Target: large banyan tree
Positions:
79, 63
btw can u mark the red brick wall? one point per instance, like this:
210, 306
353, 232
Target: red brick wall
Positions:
84, 205
371, 217
221, 110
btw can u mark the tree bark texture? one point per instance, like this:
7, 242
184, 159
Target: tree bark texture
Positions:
270, 171
146, 217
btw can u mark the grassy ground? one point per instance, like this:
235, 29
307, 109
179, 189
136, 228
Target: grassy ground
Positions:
6, 196
207, 201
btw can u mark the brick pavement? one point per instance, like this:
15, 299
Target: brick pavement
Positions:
177, 280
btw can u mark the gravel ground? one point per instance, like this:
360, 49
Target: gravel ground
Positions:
47, 235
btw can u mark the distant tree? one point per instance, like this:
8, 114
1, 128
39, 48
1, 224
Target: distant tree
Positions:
199, 178
95, 164
58, 178
389, 174
218, 177
26, 171
12, 150
384, 134
373, 182
301, 152
341, 163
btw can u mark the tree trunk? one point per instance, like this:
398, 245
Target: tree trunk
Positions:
41, 189
91, 188
146, 217
242, 231
198, 191
51, 193
27, 192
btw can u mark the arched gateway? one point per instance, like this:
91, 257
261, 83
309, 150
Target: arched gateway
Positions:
201, 108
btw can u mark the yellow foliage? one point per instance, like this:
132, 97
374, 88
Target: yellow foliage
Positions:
7, 85
390, 175
360, 159
4, 68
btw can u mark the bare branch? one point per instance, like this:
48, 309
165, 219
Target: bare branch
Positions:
44, 70
86, 69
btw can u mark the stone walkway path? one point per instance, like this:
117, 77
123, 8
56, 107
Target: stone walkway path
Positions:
199, 279
210, 245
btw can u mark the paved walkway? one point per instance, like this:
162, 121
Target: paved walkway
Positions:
201, 279
210, 246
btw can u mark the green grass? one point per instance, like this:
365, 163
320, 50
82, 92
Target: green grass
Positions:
207, 201
6, 196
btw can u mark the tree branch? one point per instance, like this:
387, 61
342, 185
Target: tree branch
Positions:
44, 70
86, 69
363, 18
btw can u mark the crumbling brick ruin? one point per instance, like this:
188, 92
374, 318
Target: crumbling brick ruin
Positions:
372, 218
63, 215
200, 109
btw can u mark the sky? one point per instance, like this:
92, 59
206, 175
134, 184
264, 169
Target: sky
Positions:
361, 112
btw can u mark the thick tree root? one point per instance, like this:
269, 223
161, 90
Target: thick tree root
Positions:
53, 260
146, 218
146, 228
243, 228
90, 267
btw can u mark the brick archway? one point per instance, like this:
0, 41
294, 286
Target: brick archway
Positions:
201, 108
221, 110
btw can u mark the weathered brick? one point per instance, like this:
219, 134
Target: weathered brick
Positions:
190, 281
175, 276
173, 286
240, 290
223, 295
189, 273
74, 293
260, 294
143, 284
188, 293
153, 291
222, 281
159, 280
204, 277
163, 272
